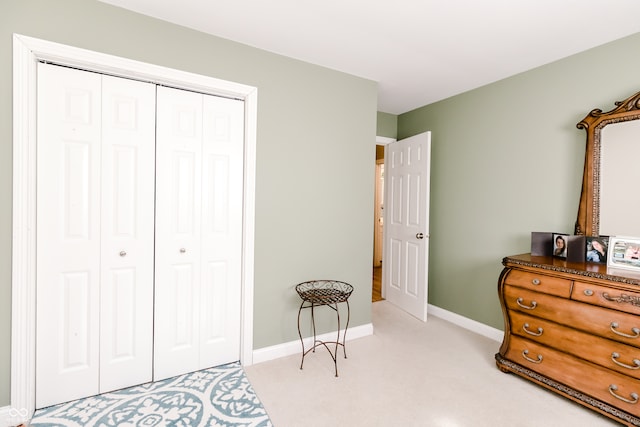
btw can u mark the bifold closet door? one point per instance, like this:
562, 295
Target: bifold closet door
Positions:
127, 233
199, 148
95, 209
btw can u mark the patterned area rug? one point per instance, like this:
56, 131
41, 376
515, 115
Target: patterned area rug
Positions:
220, 396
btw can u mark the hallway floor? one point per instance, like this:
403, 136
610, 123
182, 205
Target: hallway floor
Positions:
376, 290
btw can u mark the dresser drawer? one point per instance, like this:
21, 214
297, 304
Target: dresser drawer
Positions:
616, 299
611, 324
606, 353
539, 283
536, 303
608, 386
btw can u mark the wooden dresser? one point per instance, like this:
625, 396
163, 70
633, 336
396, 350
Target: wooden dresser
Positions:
573, 328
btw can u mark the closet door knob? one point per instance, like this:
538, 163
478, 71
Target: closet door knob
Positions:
123, 253
182, 250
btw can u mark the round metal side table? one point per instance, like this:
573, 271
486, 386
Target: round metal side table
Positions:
330, 293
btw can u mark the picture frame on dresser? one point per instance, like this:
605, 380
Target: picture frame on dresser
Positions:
541, 243
560, 245
596, 249
576, 248
624, 253
546, 243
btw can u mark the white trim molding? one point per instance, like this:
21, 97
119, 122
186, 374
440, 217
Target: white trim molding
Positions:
466, 323
294, 347
27, 52
383, 140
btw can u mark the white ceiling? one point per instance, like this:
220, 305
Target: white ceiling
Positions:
419, 51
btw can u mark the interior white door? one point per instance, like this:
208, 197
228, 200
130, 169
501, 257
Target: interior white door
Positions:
94, 233
406, 251
198, 231
127, 233
68, 234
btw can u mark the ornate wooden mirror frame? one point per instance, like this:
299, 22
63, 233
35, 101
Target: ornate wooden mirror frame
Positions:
588, 221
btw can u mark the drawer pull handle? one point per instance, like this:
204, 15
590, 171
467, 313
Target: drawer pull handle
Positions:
588, 292
525, 328
535, 282
528, 307
538, 360
634, 396
636, 331
623, 298
615, 356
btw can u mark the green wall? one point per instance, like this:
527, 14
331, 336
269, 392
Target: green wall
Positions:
387, 125
507, 160
315, 155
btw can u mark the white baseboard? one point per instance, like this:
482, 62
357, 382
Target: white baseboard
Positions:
293, 347
466, 323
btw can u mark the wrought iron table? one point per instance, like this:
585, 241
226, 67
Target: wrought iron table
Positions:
330, 293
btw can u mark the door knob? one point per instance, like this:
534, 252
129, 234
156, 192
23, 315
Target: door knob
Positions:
419, 236
123, 253
182, 250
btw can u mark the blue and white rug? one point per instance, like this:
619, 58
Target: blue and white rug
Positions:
220, 396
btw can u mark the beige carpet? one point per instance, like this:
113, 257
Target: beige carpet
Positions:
410, 373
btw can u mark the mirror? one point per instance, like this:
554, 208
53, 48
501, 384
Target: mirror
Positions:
609, 201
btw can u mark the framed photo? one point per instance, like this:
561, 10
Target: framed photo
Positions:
541, 243
624, 252
596, 249
560, 245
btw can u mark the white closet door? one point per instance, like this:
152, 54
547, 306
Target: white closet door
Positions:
68, 234
178, 222
95, 209
127, 238
198, 231
222, 181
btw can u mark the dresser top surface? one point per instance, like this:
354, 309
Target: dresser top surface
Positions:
585, 269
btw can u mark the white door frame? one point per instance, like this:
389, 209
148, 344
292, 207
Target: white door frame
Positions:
384, 141
27, 51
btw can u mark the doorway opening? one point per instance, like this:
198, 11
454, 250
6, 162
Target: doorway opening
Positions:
378, 226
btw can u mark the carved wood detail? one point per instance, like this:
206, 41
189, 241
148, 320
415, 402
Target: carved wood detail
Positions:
506, 365
602, 275
588, 220
623, 299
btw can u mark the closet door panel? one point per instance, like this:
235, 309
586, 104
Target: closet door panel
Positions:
68, 234
127, 239
178, 228
222, 180
136, 183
